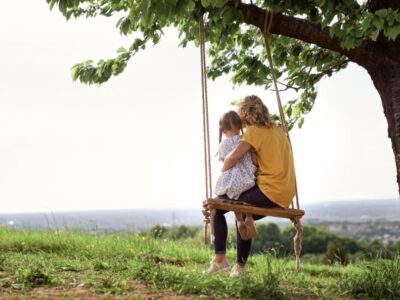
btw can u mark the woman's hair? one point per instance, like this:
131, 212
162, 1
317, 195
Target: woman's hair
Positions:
229, 121
253, 111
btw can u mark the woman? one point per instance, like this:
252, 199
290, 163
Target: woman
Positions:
275, 177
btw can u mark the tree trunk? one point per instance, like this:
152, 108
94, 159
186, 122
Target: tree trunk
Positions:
386, 78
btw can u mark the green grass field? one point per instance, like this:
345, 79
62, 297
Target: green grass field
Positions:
109, 266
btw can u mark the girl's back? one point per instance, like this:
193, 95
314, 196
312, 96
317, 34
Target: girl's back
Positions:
239, 178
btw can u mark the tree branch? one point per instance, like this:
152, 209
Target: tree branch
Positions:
374, 5
304, 30
287, 87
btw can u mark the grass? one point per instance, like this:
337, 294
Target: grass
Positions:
379, 279
107, 264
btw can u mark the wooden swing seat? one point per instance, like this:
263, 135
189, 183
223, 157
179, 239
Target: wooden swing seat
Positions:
236, 206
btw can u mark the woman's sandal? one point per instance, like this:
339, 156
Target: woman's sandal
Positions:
216, 268
237, 271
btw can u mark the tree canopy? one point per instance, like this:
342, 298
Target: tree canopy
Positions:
313, 38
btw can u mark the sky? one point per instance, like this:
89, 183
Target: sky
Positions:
136, 141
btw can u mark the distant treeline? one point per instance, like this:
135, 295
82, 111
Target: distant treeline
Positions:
318, 244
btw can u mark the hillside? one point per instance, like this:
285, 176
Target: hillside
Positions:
125, 265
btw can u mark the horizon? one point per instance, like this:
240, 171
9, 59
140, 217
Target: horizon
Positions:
108, 221
172, 209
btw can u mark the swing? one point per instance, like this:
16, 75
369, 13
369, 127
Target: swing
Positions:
210, 204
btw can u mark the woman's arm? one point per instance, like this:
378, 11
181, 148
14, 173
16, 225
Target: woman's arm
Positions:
233, 157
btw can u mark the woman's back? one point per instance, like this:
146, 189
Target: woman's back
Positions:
275, 176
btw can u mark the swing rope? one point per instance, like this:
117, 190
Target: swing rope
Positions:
208, 218
206, 131
266, 34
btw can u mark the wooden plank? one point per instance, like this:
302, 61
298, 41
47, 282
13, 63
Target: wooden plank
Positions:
287, 213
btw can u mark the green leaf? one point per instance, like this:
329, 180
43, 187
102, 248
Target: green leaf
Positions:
206, 3
366, 23
391, 17
146, 14
121, 50
288, 110
335, 30
75, 71
229, 15
374, 35
348, 42
297, 111
300, 122
382, 13
235, 102
378, 22
393, 32
327, 20
219, 3
52, 3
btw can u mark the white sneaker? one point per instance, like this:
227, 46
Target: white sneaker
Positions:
237, 271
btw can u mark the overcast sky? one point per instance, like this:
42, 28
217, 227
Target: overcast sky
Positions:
136, 141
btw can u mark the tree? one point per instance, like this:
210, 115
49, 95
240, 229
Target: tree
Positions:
267, 239
337, 252
314, 240
312, 39
158, 231
183, 232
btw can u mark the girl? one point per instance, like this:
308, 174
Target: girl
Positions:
233, 182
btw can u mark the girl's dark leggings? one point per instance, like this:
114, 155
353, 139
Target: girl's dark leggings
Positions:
254, 197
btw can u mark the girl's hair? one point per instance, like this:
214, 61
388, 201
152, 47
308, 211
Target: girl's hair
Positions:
229, 121
253, 111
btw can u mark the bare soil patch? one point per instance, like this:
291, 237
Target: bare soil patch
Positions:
138, 291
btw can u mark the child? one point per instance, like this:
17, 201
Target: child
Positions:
241, 177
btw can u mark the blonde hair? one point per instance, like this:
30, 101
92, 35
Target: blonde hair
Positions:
253, 111
229, 121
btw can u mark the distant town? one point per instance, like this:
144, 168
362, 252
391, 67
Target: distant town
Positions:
370, 220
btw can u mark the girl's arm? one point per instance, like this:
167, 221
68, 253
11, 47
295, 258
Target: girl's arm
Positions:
233, 157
